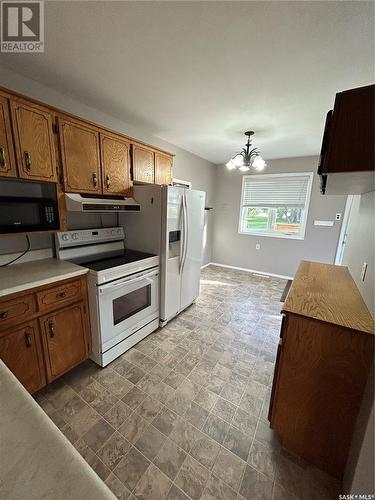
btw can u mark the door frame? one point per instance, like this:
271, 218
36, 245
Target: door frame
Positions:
344, 230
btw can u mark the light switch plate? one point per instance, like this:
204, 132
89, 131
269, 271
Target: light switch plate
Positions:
328, 223
363, 272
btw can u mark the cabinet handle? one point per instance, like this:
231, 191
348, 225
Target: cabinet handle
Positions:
51, 328
27, 161
107, 181
61, 295
3, 162
28, 339
94, 179
4, 314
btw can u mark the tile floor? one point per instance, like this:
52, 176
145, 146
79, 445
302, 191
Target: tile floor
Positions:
183, 414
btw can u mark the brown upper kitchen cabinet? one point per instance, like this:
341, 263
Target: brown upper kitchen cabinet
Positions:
65, 340
143, 163
347, 158
34, 144
163, 168
80, 156
115, 161
7, 159
21, 351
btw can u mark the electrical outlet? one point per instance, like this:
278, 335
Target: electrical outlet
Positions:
363, 272
338, 216
257, 246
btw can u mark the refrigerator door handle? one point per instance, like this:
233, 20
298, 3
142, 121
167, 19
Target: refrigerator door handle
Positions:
185, 233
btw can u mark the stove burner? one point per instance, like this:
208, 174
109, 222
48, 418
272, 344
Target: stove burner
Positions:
124, 257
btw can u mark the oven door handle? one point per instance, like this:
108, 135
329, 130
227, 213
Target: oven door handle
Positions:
113, 286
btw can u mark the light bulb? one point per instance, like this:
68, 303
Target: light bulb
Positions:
244, 168
238, 160
230, 165
258, 163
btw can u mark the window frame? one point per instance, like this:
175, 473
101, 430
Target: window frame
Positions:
274, 234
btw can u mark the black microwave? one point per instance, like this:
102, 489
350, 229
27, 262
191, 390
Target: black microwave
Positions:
19, 214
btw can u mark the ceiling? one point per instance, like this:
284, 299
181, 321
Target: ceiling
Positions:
201, 73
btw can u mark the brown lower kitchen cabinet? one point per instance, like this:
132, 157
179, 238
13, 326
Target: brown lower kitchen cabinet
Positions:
324, 356
21, 351
49, 336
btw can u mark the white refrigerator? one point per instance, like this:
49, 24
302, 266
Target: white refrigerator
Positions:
170, 224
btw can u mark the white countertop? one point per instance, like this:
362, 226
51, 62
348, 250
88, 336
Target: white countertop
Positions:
36, 460
20, 277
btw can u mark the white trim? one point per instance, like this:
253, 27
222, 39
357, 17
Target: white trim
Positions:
301, 234
181, 182
205, 265
254, 271
344, 230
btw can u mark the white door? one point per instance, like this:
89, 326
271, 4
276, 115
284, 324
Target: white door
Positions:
193, 208
171, 253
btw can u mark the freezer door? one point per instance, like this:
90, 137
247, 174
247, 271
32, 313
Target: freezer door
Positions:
171, 252
193, 209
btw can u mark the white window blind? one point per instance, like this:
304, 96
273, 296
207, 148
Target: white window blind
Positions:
275, 190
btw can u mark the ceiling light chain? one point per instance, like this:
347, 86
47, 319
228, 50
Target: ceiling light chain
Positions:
247, 158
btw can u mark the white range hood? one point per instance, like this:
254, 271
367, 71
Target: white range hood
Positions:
85, 203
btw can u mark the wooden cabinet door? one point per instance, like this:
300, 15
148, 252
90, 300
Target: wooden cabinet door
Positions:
7, 159
80, 157
115, 156
21, 351
33, 134
143, 160
64, 340
163, 169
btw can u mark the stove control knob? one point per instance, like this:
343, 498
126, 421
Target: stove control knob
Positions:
113, 232
65, 237
75, 236
118, 231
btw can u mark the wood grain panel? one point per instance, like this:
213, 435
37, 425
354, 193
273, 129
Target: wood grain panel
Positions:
64, 340
115, 156
16, 310
60, 295
7, 158
143, 162
34, 144
20, 349
328, 293
320, 381
163, 169
80, 157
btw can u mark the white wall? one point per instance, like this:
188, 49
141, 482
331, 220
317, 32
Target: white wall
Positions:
359, 248
187, 166
276, 255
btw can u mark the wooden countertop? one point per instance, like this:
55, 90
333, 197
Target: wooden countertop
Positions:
328, 293
20, 277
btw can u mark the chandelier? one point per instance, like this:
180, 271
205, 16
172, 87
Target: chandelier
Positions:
247, 157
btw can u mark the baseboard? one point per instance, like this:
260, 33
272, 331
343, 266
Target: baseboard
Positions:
254, 271
205, 265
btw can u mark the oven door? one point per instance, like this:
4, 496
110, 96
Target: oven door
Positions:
126, 305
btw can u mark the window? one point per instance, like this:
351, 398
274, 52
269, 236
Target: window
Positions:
275, 204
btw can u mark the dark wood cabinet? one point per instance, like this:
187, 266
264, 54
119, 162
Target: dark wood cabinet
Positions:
323, 361
20, 349
64, 340
7, 158
347, 158
45, 332
34, 143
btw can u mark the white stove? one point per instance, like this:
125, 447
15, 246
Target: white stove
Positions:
123, 288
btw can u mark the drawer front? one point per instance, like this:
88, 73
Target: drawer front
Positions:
16, 310
59, 295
